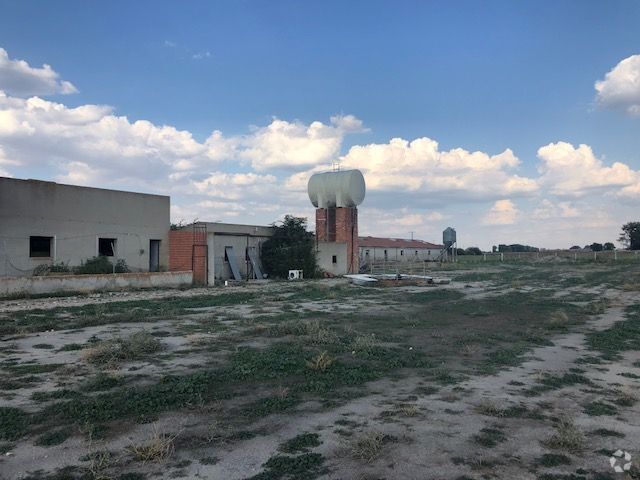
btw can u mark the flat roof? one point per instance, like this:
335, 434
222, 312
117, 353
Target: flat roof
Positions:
383, 242
65, 185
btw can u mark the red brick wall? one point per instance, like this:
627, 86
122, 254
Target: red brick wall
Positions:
347, 232
340, 225
185, 255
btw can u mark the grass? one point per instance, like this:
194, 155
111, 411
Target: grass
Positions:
13, 423
54, 437
596, 409
301, 443
306, 466
556, 382
368, 446
489, 437
604, 432
622, 336
567, 437
157, 448
549, 460
110, 353
321, 362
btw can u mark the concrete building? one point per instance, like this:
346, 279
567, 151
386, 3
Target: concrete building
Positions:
396, 250
218, 251
46, 223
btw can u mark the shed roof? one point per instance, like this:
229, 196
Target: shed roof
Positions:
396, 243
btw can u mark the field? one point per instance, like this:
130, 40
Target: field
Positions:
513, 371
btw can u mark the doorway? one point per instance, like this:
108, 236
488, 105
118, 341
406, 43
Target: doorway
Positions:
154, 255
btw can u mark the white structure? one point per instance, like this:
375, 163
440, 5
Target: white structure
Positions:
344, 188
46, 223
396, 250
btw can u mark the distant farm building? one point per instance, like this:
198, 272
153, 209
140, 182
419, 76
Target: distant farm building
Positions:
377, 249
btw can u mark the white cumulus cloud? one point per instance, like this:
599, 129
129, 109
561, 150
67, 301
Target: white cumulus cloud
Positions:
503, 212
575, 171
20, 79
621, 86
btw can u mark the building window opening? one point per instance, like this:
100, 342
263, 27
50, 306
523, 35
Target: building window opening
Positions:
401, 253
40, 247
385, 255
106, 247
416, 253
334, 259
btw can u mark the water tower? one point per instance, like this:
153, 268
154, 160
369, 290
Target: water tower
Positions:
336, 196
449, 241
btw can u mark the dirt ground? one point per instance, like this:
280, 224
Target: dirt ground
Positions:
528, 371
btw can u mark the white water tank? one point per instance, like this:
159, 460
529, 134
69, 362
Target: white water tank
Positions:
345, 188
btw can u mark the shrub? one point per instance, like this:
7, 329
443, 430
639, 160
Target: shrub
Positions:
98, 265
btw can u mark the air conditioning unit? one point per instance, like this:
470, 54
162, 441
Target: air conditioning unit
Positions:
295, 275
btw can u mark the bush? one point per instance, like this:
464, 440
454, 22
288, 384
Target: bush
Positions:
46, 269
97, 265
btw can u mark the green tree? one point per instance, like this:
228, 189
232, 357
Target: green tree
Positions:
609, 246
473, 251
291, 247
630, 236
596, 247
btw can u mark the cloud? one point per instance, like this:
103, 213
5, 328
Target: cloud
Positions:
20, 79
548, 209
503, 212
570, 171
201, 55
621, 86
419, 167
170, 44
295, 145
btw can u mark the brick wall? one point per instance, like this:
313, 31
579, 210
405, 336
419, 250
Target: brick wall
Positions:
340, 225
187, 252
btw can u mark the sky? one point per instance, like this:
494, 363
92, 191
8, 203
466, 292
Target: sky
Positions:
513, 122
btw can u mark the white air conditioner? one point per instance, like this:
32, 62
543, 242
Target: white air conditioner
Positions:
295, 275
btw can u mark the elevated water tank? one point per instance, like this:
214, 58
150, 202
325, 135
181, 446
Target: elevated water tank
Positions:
449, 237
345, 188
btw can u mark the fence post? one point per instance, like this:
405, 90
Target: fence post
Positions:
595, 256
502, 257
615, 255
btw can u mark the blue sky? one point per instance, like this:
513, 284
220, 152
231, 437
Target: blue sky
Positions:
478, 76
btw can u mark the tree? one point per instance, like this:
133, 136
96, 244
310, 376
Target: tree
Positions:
291, 247
596, 247
460, 251
630, 236
609, 246
473, 251
576, 247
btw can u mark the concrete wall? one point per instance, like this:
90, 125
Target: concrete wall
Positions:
240, 237
325, 253
397, 254
90, 283
76, 217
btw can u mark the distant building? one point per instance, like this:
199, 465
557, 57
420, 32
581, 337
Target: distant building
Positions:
396, 250
218, 251
47, 223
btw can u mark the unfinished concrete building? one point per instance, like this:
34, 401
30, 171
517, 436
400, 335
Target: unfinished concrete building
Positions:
47, 223
218, 251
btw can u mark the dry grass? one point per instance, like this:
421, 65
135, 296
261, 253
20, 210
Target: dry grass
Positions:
363, 343
321, 362
631, 287
408, 410
558, 318
110, 353
157, 448
368, 446
318, 334
489, 408
625, 398
567, 437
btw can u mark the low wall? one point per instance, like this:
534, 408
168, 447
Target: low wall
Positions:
90, 283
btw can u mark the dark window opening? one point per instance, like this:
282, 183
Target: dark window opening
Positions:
106, 247
334, 259
385, 254
40, 246
226, 257
401, 253
416, 252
